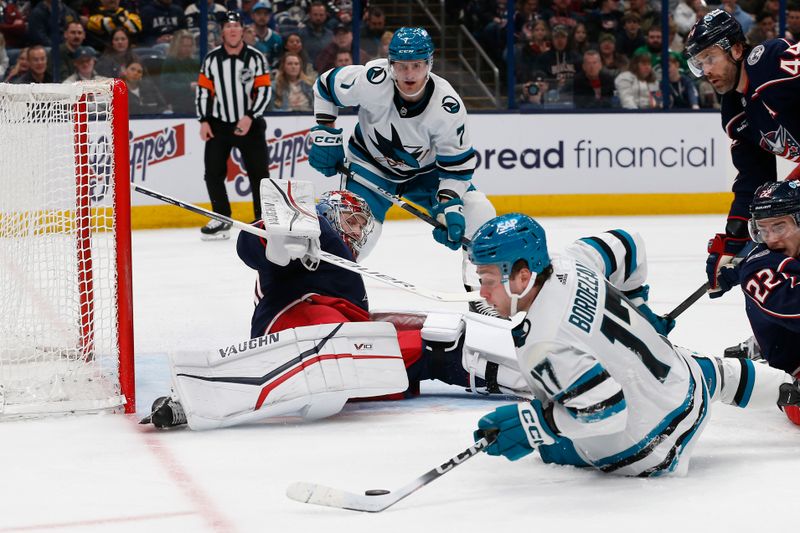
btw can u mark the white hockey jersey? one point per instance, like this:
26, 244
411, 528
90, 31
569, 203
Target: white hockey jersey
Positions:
623, 399
400, 139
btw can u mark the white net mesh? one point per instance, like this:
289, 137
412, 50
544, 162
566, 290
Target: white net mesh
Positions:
58, 283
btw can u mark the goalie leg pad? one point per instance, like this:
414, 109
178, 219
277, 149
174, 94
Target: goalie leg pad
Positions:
308, 372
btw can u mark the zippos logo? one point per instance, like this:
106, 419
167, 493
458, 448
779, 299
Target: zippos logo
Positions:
156, 147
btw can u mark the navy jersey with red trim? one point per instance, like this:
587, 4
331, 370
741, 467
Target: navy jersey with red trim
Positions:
771, 284
764, 122
277, 286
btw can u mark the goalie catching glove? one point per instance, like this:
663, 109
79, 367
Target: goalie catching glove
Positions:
290, 220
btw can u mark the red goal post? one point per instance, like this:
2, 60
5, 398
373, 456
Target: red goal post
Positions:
66, 312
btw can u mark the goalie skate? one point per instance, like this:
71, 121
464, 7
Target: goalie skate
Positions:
215, 231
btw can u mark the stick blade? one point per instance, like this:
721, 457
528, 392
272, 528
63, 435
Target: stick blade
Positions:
329, 497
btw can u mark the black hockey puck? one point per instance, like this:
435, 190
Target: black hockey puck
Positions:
376, 492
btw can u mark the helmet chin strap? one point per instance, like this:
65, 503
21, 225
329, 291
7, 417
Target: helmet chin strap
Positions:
516, 297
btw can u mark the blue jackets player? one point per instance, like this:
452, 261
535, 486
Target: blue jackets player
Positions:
760, 88
609, 392
412, 138
770, 276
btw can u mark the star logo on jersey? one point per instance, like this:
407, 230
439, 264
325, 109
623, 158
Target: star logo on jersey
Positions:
450, 104
396, 154
376, 75
780, 142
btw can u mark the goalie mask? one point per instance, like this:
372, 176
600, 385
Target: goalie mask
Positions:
350, 216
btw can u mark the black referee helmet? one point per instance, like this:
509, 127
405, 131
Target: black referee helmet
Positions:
232, 16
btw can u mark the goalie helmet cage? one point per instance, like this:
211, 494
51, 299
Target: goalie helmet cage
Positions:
66, 314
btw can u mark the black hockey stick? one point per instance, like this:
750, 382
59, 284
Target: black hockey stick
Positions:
396, 200
376, 500
687, 303
324, 256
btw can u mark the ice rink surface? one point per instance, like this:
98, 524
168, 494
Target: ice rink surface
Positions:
106, 473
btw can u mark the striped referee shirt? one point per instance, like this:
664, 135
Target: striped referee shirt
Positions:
232, 86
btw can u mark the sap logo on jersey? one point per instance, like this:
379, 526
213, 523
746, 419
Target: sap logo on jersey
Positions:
584, 307
251, 344
508, 158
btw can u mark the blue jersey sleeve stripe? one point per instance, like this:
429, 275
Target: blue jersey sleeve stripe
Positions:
630, 250
455, 160
330, 80
588, 380
709, 373
746, 381
605, 252
323, 91
461, 175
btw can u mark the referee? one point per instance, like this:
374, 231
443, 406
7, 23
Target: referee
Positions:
233, 91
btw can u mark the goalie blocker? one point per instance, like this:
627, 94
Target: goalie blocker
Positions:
312, 371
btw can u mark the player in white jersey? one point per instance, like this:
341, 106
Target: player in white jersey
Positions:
609, 391
412, 138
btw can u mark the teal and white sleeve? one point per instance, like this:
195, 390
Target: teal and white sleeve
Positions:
618, 254
455, 156
338, 87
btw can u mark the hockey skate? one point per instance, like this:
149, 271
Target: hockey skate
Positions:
748, 349
789, 394
166, 413
215, 231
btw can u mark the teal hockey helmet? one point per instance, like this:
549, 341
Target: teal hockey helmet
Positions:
411, 44
506, 239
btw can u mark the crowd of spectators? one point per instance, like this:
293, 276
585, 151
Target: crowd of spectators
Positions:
607, 53
567, 53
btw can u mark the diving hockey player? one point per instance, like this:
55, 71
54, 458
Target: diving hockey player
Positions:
760, 88
609, 391
412, 139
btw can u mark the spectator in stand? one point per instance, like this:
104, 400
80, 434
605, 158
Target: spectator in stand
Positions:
341, 12
647, 16
249, 35
685, 15
371, 33
178, 76
773, 7
744, 19
793, 21
74, 35
683, 93
20, 68
37, 67
528, 53
559, 62
676, 42
108, 18
527, 12
385, 40
763, 30
294, 44
116, 56
534, 92
40, 18
342, 40
630, 38
579, 42
12, 24
3, 56
160, 19
216, 15
652, 45
343, 58
593, 86
293, 90
613, 62
560, 14
268, 41
144, 98
637, 88
540, 39
83, 64
606, 19
316, 34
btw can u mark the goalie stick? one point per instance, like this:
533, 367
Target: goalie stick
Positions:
324, 256
376, 500
396, 200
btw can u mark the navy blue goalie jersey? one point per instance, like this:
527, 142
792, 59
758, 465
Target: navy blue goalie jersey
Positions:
771, 284
764, 122
279, 286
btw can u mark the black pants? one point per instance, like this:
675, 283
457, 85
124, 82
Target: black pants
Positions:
253, 148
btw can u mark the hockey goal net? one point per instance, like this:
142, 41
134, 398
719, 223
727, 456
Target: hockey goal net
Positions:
65, 271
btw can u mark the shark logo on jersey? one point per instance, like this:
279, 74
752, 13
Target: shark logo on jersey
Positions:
780, 142
450, 104
395, 152
376, 75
